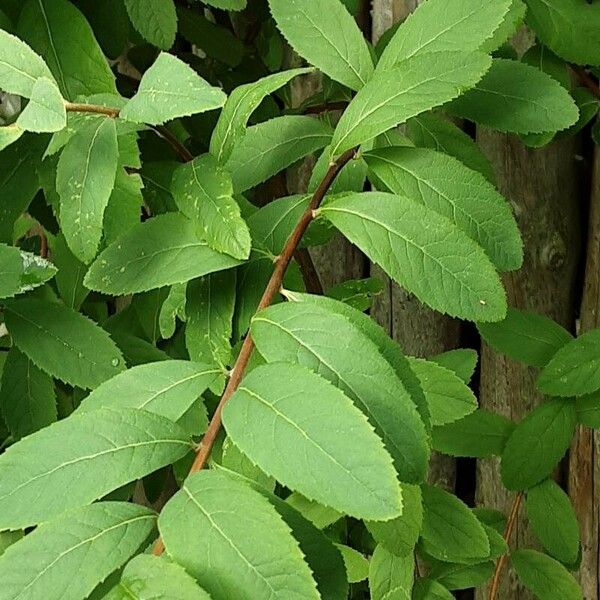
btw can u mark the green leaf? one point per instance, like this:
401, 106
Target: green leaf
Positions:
155, 20
588, 410
423, 251
509, 26
100, 450
171, 89
480, 435
84, 181
71, 271
399, 536
325, 34
22, 271
413, 86
553, 520
451, 532
290, 410
227, 4
357, 293
319, 515
20, 66
58, 31
544, 576
203, 191
9, 134
461, 577
149, 577
436, 26
164, 250
391, 577
301, 332
167, 388
575, 368
463, 361
428, 589
62, 342
445, 185
242, 102
233, 542
448, 397
356, 564
27, 396
234, 460
270, 147
538, 443
172, 308
45, 111
68, 557
514, 97
525, 336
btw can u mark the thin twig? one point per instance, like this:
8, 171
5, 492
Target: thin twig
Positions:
310, 275
512, 519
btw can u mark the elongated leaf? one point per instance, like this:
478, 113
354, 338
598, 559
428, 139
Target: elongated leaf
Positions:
167, 388
62, 342
58, 31
149, 577
302, 333
22, 271
424, 252
575, 368
537, 443
164, 250
270, 147
101, 450
90, 542
414, 86
27, 398
155, 20
323, 32
527, 337
20, 66
45, 111
203, 192
443, 184
85, 178
71, 271
554, 521
290, 410
544, 576
462, 361
517, 98
242, 102
170, 89
391, 577
436, 26
355, 563
233, 541
451, 532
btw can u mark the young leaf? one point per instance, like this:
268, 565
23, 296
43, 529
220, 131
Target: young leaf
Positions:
164, 250
270, 147
527, 337
155, 20
412, 87
445, 185
391, 577
84, 181
22, 271
171, 89
436, 26
544, 576
462, 361
203, 191
147, 577
242, 102
302, 333
575, 368
45, 111
451, 532
20, 66
290, 410
554, 521
514, 97
538, 443
172, 308
480, 435
101, 451
90, 542
167, 388
62, 342
325, 34
27, 398
423, 251
448, 397
233, 542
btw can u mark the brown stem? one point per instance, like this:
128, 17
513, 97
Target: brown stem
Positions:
510, 525
587, 80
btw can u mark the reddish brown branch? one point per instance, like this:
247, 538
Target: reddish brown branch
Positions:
510, 525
